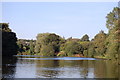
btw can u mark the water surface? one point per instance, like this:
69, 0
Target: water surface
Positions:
58, 67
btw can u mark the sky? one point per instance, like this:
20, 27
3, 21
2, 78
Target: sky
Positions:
60, 0
68, 19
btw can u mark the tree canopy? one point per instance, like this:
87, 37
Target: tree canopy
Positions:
112, 18
112, 41
73, 47
85, 38
9, 39
48, 39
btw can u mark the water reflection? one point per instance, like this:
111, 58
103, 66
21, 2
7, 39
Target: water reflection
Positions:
8, 67
106, 69
36, 68
47, 68
25, 69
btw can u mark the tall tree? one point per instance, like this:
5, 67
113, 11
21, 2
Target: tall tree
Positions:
113, 40
112, 18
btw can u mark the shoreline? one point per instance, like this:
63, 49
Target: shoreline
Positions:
59, 56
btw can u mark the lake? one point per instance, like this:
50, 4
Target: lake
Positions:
58, 67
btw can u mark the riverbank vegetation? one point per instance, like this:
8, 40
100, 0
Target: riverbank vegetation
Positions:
103, 45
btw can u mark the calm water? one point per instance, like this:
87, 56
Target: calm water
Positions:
58, 67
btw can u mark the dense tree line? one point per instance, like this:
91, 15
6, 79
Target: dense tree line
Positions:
103, 45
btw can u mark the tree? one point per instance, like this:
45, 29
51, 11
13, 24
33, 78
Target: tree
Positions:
48, 39
26, 47
91, 50
113, 39
20, 50
40, 41
47, 50
9, 39
99, 43
5, 27
112, 17
72, 47
31, 47
112, 44
37, 48
85, 45
85, 38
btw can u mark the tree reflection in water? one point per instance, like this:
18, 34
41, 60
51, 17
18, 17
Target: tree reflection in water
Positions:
33, 67
8, 67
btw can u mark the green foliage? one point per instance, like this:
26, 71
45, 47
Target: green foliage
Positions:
47, 50
85, 52
52, 39
31, 47
62, 47
26, 46
91, 50
112, 45
5, 27
99, 44
50, 44
112, 51
61, 53
85, 44
85, 38
48, 39
113, 39
9, 39
72, 47
119, 53
20, 48
112, 17
37, 48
